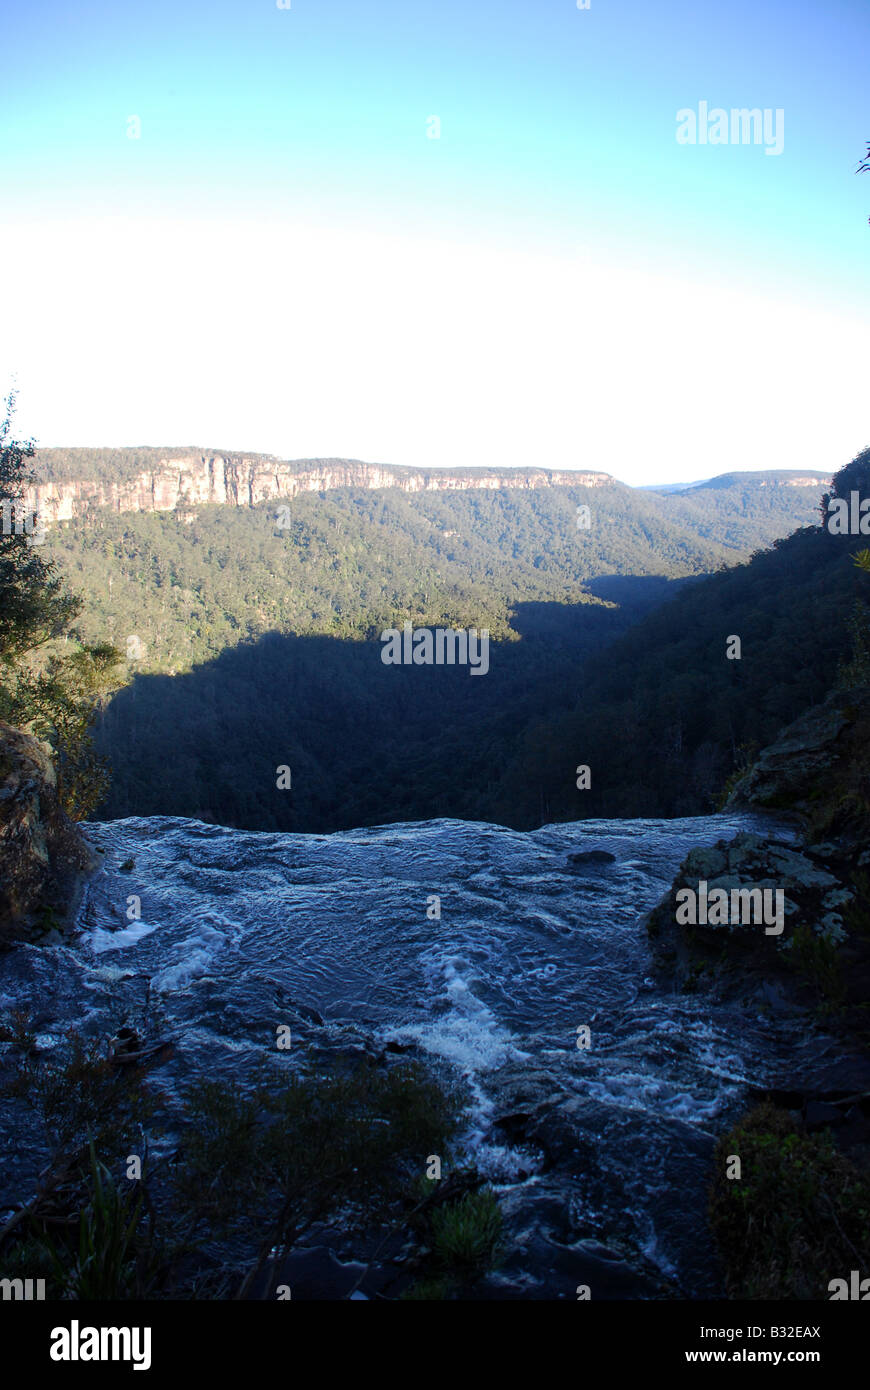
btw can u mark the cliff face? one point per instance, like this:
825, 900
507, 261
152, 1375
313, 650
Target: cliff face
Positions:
243, 482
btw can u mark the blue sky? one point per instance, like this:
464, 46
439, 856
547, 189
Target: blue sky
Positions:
556, 163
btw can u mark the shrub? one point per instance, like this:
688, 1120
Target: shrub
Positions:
798, 1217
466, 1234
114, 1256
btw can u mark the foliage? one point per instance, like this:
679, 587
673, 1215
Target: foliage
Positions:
84, 1097
57, 701
818, 961
466, 1234
856, 671
296, 1150
435, 1288
45, 687
744, 759
855, 667
35, 605
18, 1031
112, 1258
255, 1168
798, 1217
664, 720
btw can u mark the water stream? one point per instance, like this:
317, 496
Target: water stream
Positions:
600, 1155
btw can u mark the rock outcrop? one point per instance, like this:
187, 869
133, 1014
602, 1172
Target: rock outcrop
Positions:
750, 946
816, 778
243, 482
43, 856
818, 771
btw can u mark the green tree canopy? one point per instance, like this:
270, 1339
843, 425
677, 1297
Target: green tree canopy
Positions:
50, 681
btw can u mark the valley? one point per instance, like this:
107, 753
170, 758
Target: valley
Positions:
291, 599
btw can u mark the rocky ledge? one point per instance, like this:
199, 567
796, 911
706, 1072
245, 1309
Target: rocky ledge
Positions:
811, 959
818, 771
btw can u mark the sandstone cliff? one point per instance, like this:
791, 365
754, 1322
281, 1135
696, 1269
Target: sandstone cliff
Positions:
243, 482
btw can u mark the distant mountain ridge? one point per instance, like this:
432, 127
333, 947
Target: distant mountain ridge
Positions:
772, 477
781, 477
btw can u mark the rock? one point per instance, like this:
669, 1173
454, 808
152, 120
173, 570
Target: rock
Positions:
831, 928
774, 997
593, 856
694, 951
706, 863
819, 1115
838, 898
43, 855
788, 866
817, 771
784, 771
191, 480
304, 1011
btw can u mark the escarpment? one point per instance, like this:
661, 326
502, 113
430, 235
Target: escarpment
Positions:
241, 481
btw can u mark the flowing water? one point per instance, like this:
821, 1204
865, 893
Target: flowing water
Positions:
601, 1155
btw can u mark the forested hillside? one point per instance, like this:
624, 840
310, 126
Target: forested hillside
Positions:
349, 561
667, 717
748, 510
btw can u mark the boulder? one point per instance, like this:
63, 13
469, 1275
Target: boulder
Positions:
813, 898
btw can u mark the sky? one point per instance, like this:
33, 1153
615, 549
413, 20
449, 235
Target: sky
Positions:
454, 234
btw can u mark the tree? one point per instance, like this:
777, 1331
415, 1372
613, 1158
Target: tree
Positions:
46, 688
35, 606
